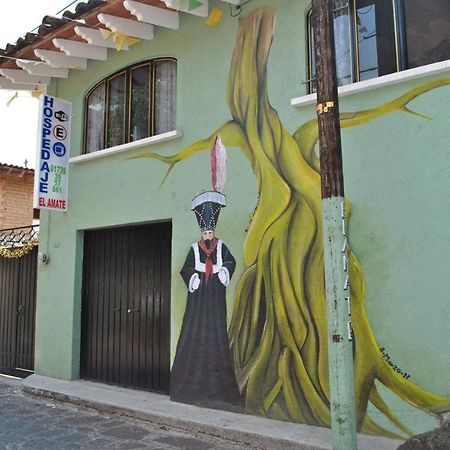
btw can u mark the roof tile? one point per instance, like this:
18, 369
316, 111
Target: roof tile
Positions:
49, 24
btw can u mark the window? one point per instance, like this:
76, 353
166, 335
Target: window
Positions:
135, 103
427, 31
378, 37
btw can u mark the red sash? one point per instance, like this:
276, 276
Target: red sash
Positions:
208, 251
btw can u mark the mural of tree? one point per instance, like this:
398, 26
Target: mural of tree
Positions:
278, 331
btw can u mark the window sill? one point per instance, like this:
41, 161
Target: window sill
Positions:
126, 147
373, 83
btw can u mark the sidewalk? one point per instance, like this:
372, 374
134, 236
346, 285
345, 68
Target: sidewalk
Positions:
259, 432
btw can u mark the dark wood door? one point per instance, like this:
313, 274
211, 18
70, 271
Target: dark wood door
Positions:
17, 313
125, 337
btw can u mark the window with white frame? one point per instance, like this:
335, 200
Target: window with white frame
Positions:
378, 37
134, 103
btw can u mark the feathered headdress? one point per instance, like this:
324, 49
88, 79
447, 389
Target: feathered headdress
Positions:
207, 205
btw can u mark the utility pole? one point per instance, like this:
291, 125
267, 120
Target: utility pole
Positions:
337, 283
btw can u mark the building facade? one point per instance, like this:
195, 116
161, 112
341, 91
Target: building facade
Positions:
149, 126
16, 196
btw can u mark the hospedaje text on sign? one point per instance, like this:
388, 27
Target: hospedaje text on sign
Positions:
52, 166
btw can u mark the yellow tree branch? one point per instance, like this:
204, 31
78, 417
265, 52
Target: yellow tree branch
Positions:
308, 134
232, 137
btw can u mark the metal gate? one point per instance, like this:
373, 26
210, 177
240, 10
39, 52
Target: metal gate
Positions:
125, 336
18, 273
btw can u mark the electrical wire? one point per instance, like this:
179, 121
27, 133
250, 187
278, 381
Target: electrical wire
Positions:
237, 9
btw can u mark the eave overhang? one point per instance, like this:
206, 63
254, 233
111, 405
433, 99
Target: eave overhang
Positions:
65, 43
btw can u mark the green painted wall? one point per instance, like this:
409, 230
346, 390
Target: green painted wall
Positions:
396, 177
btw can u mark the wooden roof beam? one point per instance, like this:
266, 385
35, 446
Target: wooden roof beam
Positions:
5, 83
95, 37
126, 26
201, 10
81, 49
20, 76
42, 69
60, 59
153, 14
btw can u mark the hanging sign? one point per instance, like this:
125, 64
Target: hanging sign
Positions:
52, 166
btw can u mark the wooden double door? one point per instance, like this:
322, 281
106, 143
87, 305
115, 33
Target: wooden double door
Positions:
125, 328
17, 313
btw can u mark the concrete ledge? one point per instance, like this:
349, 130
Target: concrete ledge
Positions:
156, 408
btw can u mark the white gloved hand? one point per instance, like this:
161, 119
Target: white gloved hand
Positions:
223, 276
194, 282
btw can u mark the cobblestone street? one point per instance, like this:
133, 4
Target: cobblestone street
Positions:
35, 423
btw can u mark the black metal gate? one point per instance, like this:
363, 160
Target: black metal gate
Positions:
125, 336
17, 300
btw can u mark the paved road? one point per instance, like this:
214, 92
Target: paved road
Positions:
34, 423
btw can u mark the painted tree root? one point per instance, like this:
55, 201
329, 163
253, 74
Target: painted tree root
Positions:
278, 331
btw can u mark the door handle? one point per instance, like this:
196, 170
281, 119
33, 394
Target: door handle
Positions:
20, 310
133, 310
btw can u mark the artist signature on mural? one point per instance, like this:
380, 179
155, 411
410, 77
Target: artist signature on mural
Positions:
394, 367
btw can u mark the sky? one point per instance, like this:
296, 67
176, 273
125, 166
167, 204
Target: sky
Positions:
18, 121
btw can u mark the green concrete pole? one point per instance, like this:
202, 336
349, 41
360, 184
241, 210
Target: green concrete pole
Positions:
340, 357
337, 282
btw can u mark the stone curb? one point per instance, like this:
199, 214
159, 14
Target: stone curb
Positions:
261, 433
255, 440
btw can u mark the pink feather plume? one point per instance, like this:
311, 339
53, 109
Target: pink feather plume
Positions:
218, 165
